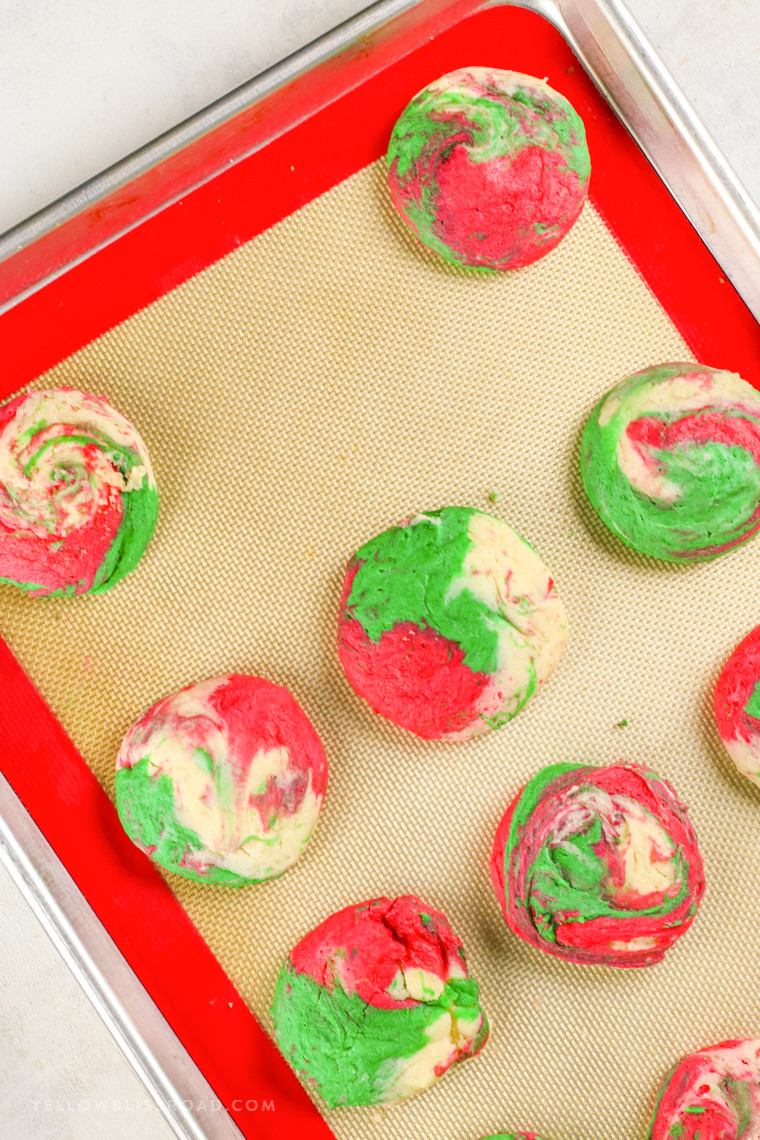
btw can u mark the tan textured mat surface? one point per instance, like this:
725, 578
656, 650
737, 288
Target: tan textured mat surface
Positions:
316, 386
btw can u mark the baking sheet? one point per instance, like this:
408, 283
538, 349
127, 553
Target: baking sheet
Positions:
314, 387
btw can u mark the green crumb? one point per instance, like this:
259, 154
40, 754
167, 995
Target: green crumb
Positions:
622, 724
493, 496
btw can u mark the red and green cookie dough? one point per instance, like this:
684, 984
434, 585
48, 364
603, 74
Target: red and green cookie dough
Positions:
449, 623
513, 1136
711, 1095
78, 501
223, 781
376, 1003
737, 706
670, 460
489, 168
598, 865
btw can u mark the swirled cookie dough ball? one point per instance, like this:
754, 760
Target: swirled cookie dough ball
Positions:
670, 460
449, 623
598, 865
711, 1095
376, 1003
489, 168
78, 501
737, 706
222, 782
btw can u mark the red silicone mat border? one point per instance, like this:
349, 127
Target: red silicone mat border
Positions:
165, 950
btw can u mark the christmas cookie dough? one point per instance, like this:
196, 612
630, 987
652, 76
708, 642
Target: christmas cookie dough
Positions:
711, 1095
78, 501
598, 865
223, 781
449, 623
513, 1136
489, 168
376, 1003
670, 460
737, 706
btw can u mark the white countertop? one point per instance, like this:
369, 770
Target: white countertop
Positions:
81, 85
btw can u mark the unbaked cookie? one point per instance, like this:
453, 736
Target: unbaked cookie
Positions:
737, 706
489, 168
711, 1095
376, 1003
222, 782
670, 460
78, 501
449, 623
598, 865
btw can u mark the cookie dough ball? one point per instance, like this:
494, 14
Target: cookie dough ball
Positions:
598, 865
737, 706
78, 501
489, 168
670, 460
711, 1095
223, 781
376, 1003
449, 623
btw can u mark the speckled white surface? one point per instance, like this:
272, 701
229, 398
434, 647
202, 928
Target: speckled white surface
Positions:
81, 85
63, 1077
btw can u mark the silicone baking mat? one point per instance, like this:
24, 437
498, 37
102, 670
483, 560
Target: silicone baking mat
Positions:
314, 386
